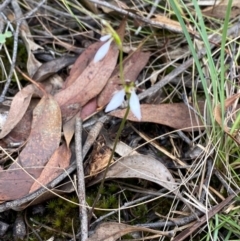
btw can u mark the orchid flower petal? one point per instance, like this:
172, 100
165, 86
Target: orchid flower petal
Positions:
105, 37
102, 51
116, 101
135, 105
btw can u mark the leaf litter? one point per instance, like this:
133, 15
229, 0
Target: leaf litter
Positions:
88, 87
44, 139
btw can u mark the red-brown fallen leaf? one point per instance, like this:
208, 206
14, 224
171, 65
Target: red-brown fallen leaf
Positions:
69, 126
56, 165
81, 63
16, 183
111, 231
132, 67
89, 84
21, 131
177, 116
89, 108
18, 108
44, 139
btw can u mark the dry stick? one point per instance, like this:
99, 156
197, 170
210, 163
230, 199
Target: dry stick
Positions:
4, 4
207, 179
135, 16
17, 203
203, 219
61, 13
224, 183
153, 9
81, 183
15, 46
183, 221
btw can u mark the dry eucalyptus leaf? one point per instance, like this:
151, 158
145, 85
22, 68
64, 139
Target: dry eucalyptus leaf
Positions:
169, 23
177, 115
44, 139
141, 166
58, 162
18, 108
219, 9
81, 63
89, 84
111, 231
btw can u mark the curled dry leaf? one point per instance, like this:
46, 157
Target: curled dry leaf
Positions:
111, 231
141, 166
52, 67
18, 108
32, 63
177, 115
43, 140
21, 131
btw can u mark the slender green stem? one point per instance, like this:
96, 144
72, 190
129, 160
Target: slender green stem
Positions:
121, 67
109, 161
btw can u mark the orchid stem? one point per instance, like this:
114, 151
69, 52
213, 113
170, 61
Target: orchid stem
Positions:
100, 190
121, 67
109, 161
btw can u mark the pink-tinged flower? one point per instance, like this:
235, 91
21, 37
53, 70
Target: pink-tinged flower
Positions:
118, 99
103, 50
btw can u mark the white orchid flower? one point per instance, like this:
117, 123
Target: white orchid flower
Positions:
110, 35
118, 99
103, 50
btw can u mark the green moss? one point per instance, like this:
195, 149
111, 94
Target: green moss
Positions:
61, 216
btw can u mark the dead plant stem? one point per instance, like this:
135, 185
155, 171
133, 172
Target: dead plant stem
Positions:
81, 183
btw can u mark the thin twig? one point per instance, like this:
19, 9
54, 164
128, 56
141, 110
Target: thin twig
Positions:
207, 179
138, 17
15, 46
81, 184
181, 68
4, 4
187, 232
223, 181
153, 9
